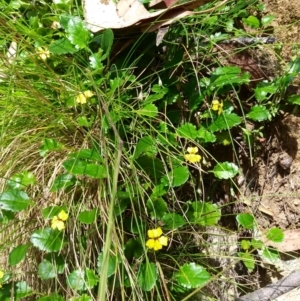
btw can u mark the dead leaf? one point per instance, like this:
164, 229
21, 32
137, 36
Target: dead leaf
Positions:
107, 14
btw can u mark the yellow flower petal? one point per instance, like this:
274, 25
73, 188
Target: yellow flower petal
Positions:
62, 215
192, 158
157, 245
59, 225
43, 53
192, 150
215, 105
150, 243
163, 240
1, 274
88, 94
155, 233
80, 98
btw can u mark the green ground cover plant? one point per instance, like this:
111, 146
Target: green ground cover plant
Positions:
112, 162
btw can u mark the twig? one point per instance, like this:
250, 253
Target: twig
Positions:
272, 291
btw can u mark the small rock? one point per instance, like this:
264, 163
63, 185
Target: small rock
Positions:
285, 161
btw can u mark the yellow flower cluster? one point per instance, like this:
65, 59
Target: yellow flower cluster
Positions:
1, 277
57, 221
43, 53
82, 97
156, 240
217, 106
192, 155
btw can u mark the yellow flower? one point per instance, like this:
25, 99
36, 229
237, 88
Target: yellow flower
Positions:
57, 221
156, 241
1, 274
192, 156
43, 53
217, 106
82, 97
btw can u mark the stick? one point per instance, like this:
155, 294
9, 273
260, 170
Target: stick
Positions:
274, 290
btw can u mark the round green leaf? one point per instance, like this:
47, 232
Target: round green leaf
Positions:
157, 208
14, 200
21, 180
53, 297
225, 121
82, 167
47, 239
46, 270
225, 170
147, 276
76, 281
173, 221
192, 275
18, 254
270, 255
22, 290
149, 110
90, 278
62, 182
178, 176
275, 235
113, 261
88, 217
51, 211
252, 22
188, 131
145, 145
248, 260
246, 220
266, 20
259, 113
206, 214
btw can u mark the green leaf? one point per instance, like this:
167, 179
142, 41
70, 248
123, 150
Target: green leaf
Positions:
205, 135
52, 297
228, 75
264, 90
112, 266
206, 214
151, 166
22, 290
152, 98
145, 145
248, 260
83, 297
133, 249
21, 180
96, 64
76, 281
225, 121
47, 239
88, 217
149, 110
270, 255
294, 67
177, 176
107, 40
51, 211
275, 235
187, 131
173, 221
46, 270
18, 254
147, 276
257, 244
266, 20
62, 182
90, 278
49, 145
157, 208
88, 154
259, 113
225, 170
77, 32
192, 275
252, 22
82, 167
62, 46
246, 220
245, 244
58, 262
294, 99
14, 200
